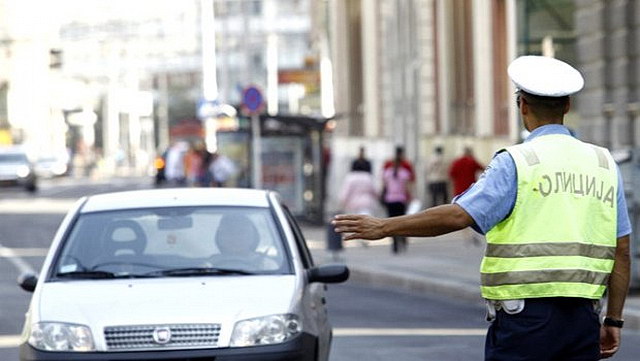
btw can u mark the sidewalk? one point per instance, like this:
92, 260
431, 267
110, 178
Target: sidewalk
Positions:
446, 265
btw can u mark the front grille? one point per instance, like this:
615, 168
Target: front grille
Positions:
141, 337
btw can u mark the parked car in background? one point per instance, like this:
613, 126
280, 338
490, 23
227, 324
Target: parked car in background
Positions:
50, 167
16, 169
180, 274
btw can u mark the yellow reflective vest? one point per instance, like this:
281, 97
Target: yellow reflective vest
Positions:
560, 238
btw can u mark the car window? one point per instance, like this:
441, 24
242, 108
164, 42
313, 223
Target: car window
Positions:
307, 260
146, 240
13, 158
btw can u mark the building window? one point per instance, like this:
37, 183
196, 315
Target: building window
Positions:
501, 98
256, 7
4, 120
462, 94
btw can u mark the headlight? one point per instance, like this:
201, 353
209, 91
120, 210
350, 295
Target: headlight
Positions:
56, 336
23, 171
59, 169
265, 330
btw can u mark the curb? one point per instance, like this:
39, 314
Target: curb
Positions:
417, 284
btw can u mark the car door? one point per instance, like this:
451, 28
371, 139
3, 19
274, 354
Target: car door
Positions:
314, 298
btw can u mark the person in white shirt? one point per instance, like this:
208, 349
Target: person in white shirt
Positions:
437, 178
222, 169
174, 168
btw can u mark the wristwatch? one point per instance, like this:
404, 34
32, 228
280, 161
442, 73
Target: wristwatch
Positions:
608, 321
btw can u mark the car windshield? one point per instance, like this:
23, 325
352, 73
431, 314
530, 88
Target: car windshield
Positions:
13, 158
172, 242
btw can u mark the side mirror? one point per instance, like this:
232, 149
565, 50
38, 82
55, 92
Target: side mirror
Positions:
331, 273
28, 281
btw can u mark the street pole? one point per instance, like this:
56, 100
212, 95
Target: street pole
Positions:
209, 76
256, 151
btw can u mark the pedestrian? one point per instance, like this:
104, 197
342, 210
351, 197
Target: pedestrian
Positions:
222, 169
396, 194
404, 162
193, 165
552, 253
205, 179
174, 165
463, 171
358, 193
362, 162
437, 178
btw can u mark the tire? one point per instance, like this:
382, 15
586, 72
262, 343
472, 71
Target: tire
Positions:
31, 187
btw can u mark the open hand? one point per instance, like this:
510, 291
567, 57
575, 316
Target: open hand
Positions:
358, 226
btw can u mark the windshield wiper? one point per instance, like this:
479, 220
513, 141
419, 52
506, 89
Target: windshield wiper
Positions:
198, 271
87, 274
93, 274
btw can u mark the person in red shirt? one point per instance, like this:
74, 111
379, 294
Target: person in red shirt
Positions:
463, 171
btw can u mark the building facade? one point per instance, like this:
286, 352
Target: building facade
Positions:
607, 34
422, 73
26, 79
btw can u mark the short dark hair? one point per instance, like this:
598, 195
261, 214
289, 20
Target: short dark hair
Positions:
545, 107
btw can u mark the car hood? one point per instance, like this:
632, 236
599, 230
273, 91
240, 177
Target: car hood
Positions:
222, 299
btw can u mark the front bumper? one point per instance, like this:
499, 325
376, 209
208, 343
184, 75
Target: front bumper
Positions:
301, 348
8, 181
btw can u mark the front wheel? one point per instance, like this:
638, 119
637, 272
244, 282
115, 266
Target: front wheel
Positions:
31, 187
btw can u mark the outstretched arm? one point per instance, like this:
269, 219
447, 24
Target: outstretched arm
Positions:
431, 222
618, 288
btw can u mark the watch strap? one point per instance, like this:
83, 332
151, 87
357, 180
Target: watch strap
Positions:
608, 321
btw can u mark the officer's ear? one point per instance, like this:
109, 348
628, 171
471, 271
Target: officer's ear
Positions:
524, 106
567, 106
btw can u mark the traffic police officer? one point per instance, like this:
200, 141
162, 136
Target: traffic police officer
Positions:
557, 228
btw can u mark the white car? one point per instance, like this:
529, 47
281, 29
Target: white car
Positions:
17, 169
179, 274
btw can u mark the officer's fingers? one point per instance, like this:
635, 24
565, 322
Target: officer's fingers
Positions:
352, 236
346, 217
347, 229
346, 226
608, 352
346, 222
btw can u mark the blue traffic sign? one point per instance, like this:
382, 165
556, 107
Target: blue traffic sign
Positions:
252, 100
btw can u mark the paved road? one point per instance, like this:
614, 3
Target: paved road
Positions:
378, 324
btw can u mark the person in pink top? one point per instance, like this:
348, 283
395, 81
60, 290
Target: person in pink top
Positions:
358, 194
396, 194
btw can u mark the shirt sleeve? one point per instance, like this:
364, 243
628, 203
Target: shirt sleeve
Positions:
492, 198
624, 226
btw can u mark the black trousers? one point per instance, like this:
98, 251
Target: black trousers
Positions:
548, 329
397, 209
439, 194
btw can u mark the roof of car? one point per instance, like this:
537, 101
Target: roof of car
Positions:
176, 197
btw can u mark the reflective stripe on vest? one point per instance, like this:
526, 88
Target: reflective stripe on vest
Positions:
560, 238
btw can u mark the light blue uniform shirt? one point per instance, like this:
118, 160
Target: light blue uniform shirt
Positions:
492, 198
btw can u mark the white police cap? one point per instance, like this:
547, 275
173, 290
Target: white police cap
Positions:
544, 76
